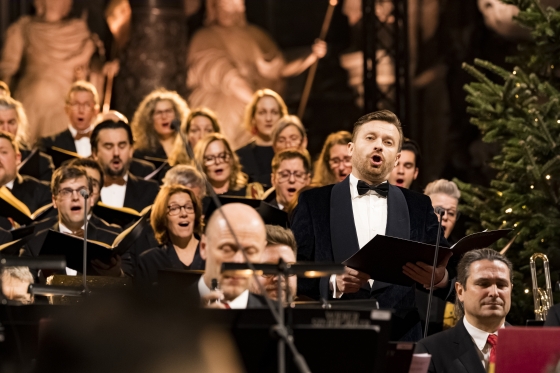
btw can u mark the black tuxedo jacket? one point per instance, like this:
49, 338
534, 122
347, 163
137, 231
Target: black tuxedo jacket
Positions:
139, 192
257, 171
46, 166
453, 351
63, 140
31, 192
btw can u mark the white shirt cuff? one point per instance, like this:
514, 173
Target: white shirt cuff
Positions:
336, 294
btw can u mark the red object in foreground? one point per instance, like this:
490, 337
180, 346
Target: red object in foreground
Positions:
527, 350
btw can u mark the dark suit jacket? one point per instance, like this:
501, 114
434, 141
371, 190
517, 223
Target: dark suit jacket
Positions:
139, 192
324, 228
46, 166
141, 168
553, 316
31, 192
158, 152
453, 351
256, 162
63, 140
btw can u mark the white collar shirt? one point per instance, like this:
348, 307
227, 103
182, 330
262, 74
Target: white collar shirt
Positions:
10, 184
114, 194
83, 145
480, 339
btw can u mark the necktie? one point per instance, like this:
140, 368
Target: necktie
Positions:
82, 135
381, 189
493, 342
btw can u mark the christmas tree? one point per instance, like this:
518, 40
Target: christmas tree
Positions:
521, 114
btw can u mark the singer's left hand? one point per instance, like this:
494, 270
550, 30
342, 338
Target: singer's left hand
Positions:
422, 273
112, 269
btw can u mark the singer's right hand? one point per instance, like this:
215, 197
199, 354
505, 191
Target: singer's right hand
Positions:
213, 300
351, 280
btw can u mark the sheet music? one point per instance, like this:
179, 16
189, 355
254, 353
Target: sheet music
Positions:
420, 363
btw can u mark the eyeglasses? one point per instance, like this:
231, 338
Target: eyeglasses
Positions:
216, 159
68, 192
451, 214
284, 176
175, 210
87, 106
335, 162
163, 113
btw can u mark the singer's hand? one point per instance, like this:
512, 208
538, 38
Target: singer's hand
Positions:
351, 280
213, 300
422, 273
112, 269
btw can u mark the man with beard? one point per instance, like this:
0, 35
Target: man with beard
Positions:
112, 147
333, 222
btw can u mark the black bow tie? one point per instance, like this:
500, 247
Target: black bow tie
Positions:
381, 189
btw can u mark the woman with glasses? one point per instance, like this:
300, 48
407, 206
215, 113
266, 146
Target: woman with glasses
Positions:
445, 194
151, 125
199, 123
289, 133
261, 114
222, 168
334, 164
176, 217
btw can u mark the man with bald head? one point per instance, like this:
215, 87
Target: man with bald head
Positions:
218, 245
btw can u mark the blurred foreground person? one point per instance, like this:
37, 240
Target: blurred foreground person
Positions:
15, 282
280, 244
138, 335
335, 163
484, 284
176, 216
261, 115
218, 245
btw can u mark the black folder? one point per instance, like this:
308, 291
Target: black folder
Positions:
269, 214
155, 174
12, 248
11, 207
479, 240
121, 216
31, 165
59, 155
384, 257
57, 243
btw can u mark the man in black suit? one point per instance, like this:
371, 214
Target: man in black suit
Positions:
67, 184
332, 223
484, 284
28, 190
112, 146
218, 246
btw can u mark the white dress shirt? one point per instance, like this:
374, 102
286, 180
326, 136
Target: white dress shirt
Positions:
238, 303
114, 194
63, 229
10, 184
83, 145
480, 339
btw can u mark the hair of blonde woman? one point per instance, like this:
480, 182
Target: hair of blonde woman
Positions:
4, 87
142, 124
158, 216
443, 186
322, 173
283, 123
185, 175
238, 179
179, 154
251, 107
83, 86
8, 103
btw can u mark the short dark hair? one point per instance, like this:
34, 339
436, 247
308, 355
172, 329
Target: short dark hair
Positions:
276, 235
288, 154
109, 125
464, 266
381, 115
412, 146
8, 136
88, 163
64, 173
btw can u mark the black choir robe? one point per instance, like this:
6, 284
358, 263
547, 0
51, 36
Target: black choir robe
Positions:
256, 162
324, 228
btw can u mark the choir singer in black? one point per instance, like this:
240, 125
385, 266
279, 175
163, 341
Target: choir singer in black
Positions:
332, 223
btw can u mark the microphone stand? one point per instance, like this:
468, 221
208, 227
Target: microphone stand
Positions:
439, 211
85, 194
280, 328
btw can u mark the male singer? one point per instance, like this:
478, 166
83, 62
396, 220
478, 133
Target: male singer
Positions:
332, 223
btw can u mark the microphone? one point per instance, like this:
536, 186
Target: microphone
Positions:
439, 211
175, 125
85, 194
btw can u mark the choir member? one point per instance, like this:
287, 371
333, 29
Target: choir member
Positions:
289, 133
33, 193
82, 107
151, 124
445, 194
261, 114
15, 282
199, 123
291, 171
334, 163
222, 168
14, 120
188, 176
176, 217
483, 287
366, 205
280, 244
112, 146
407, 170
219, 244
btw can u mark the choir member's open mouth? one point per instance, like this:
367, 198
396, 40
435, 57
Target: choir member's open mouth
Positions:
116, 162
400, 182
292, 190
166, 124
184, 224
219, 171
76, 208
